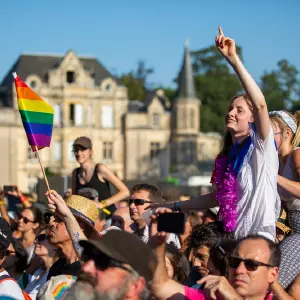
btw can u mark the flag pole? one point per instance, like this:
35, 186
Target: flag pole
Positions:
43, 170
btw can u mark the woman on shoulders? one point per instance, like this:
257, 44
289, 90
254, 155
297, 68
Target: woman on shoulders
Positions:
96, 176
245, 175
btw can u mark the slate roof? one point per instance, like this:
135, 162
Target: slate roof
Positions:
40, 65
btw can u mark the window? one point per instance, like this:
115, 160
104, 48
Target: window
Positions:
57, 151
192, 118
72, 114
30, 154
108, 87
154, 151
32, 84
156, 120
108, 151
57, 115
71, 156
107, 117
78, 115
70, 77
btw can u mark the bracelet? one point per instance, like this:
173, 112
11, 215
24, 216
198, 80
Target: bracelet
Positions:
104, 203
177, 206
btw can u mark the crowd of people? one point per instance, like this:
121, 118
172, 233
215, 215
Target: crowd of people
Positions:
239, 241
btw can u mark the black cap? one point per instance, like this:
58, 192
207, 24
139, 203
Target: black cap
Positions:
126, 248
5, 233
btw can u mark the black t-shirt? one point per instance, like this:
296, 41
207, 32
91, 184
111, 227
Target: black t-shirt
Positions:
61, 267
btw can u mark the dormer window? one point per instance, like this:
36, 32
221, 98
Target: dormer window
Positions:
70, 77
108, 88
155, 120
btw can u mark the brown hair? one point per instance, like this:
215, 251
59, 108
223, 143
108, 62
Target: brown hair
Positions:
283, 126
227, 141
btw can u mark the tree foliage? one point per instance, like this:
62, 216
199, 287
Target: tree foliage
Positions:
215, 86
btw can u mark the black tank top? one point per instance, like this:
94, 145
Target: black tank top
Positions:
102, 188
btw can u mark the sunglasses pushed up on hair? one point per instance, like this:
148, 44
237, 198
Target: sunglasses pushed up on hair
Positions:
250, 264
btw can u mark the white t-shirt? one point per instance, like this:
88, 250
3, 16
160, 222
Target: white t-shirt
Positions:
10, 288
259, 202
36, 282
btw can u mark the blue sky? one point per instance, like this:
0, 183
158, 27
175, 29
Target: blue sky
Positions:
119, 32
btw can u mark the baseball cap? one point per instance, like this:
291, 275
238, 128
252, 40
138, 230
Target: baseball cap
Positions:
84, 142
5, 233
126, 248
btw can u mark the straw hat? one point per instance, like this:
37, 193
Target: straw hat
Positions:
281, 223
83, 209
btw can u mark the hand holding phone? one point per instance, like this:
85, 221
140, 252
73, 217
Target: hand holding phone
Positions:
171, 222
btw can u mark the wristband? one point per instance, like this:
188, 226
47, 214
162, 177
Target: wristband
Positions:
177, 206
104, 203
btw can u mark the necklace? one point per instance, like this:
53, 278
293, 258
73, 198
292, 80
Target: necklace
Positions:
86, 176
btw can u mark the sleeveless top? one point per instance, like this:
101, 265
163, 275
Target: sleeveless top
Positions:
292, 203
102, 188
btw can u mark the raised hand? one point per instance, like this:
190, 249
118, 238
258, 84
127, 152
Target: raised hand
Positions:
57, 204
226, 46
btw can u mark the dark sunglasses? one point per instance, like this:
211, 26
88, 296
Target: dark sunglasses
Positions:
42, 237
138, 201
102, 261
250, 264
25, 220
47, 218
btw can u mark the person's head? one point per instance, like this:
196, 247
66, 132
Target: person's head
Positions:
43, 246
86, 213
174, 264
15, 262
118, 264
253, 266
121, 218
30, 219
82, 149
218, 257
191, 221
211, 215
286, 128
202, 239
238, 117
141, 196
100, 222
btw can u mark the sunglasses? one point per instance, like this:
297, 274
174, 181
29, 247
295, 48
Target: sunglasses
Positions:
250, 264
42, 237
25, 220
138, 201
102, 261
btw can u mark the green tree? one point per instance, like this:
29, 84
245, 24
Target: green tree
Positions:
136, 81
215, 85
281, 86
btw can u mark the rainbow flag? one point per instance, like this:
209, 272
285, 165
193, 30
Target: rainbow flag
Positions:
36, 114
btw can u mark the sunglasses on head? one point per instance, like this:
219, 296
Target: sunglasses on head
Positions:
42, 237
138, 201
250, 264
25, 220
102, 261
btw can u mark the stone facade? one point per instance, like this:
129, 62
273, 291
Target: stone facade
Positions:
136, 139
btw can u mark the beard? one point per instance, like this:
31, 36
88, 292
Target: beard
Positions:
86, 288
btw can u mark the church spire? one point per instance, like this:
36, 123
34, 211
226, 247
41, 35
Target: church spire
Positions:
186, 87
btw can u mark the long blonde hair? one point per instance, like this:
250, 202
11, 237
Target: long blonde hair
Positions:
283, 125
227, 141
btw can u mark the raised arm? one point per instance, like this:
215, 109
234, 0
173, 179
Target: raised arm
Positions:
57, 205
122, 190
227, 48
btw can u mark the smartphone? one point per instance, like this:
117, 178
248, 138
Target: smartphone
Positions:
8, 188
171, 222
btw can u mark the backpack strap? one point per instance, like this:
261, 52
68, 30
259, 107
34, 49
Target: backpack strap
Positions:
6, 277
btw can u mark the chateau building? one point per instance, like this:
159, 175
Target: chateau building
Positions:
136, 139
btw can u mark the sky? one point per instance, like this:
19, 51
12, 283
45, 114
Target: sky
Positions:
120, 33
